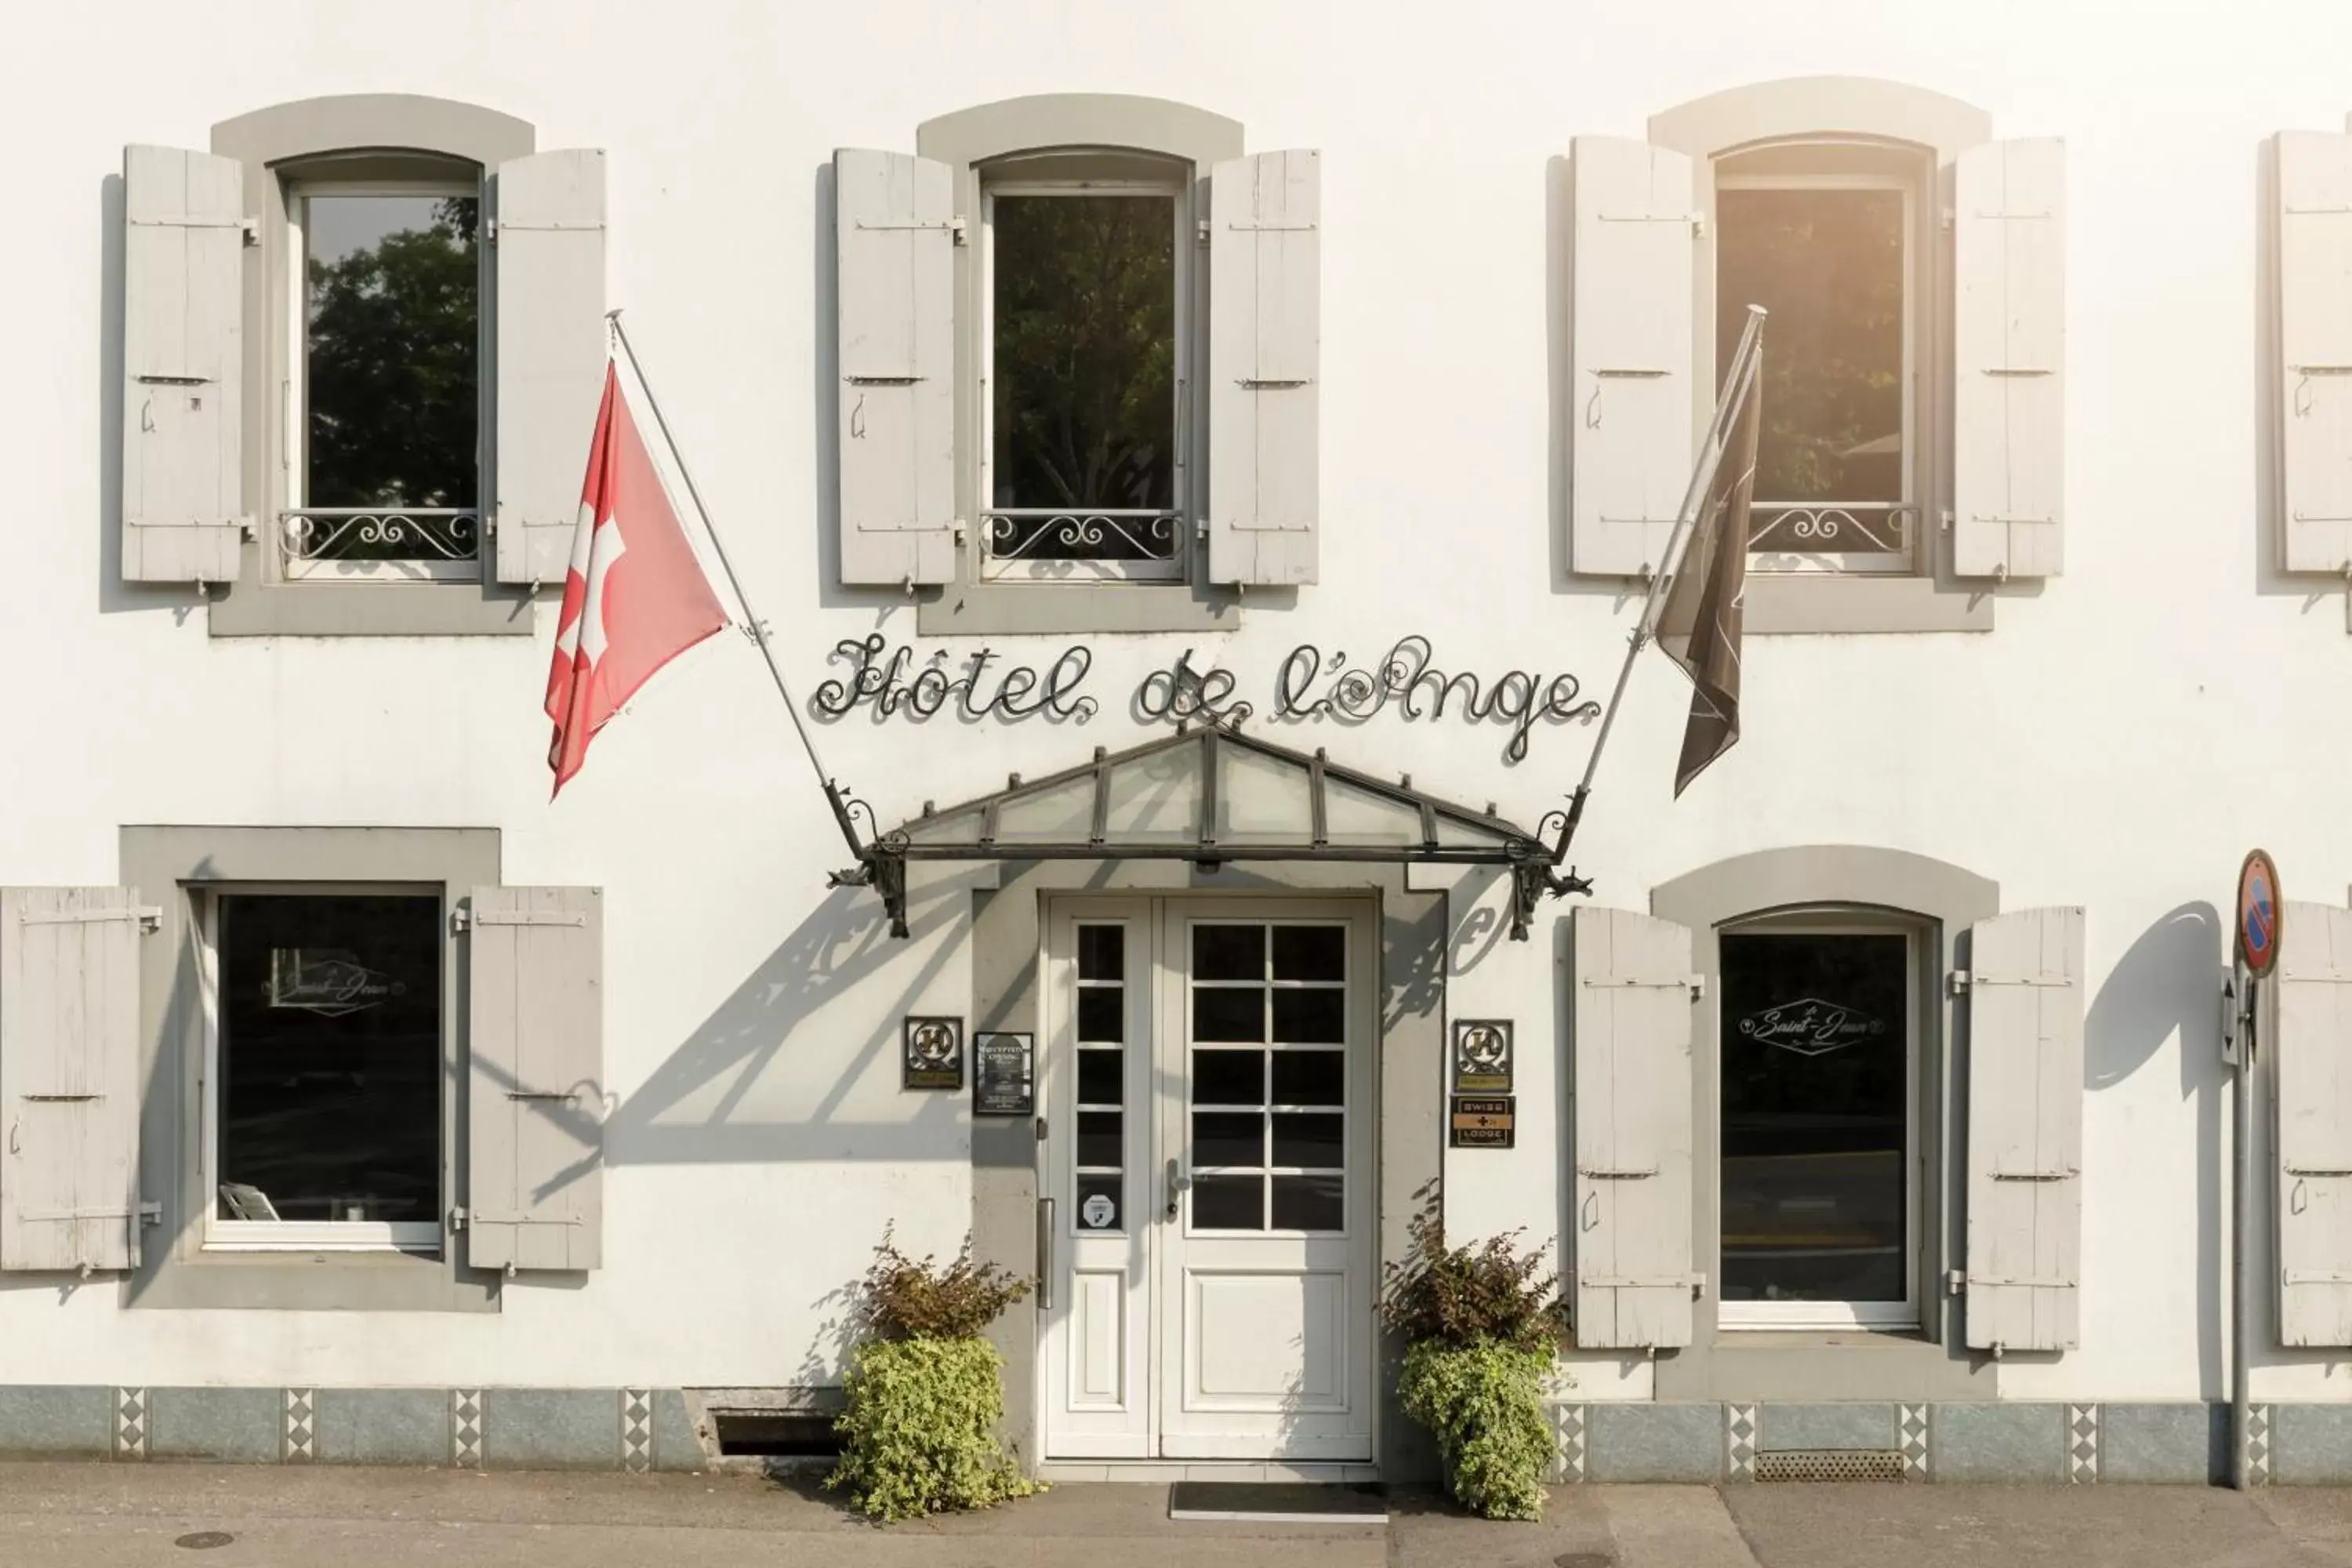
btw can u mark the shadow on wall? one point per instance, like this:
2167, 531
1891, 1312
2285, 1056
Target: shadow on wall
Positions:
2166, 984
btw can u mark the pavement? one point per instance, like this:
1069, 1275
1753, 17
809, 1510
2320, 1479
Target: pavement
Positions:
174, 1516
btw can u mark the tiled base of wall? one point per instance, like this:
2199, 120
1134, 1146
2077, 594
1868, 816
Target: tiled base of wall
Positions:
467, 1428
2079, 1443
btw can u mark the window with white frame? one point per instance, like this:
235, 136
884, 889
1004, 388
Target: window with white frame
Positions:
323, 1067
1086, 360
383, 408
1824, 237
1819, 1124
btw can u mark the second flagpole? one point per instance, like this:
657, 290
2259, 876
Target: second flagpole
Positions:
752, 624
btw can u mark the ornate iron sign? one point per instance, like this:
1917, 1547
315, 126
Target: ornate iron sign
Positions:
1482, 1056
934, 1054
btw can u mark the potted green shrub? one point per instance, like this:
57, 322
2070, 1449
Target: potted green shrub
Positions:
925, 1390
1480, 1324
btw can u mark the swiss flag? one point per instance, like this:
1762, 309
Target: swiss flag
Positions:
635, 598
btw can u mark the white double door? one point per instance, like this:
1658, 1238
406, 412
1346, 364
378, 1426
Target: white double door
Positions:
1207, 1173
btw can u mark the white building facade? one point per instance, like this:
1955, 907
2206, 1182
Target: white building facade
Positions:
1334, 385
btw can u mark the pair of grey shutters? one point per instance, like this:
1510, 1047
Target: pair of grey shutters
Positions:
1633, 1007
1634, 409
896, 233
70, 1089
188, 219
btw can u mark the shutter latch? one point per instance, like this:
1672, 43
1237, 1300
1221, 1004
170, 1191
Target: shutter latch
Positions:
150, 1214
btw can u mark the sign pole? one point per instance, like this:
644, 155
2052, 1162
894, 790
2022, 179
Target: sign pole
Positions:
2261, 918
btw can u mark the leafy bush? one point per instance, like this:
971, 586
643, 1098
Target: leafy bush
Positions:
1482, 1401
925, 1392
908, 1298
1463, 1295
919, 1433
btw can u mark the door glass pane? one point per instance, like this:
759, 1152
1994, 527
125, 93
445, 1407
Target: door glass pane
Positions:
1098, 1138
1228, 1013
1310, 1017
1102, 952
1229, 1077
1228, 1138
1310, 952
1309, 1077
1816, 1046
1102, 1013
1098, 1077
1310, 1141
1310, 1203
330, 1091
1228, 952
1100, 1204
1229, 1203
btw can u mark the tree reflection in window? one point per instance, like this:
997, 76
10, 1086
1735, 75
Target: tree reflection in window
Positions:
391, 366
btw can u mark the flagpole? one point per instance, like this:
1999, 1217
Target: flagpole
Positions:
1746, 365
751, 621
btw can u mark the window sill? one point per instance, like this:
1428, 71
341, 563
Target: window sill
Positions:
996, 609
1815, 605
250, 609
314, 1281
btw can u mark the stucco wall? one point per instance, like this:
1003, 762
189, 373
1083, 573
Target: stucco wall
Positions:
2087, 751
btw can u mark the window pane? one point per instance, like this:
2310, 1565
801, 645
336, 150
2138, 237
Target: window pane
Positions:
1102, 952
392, 302
1084, 361
1816, 1047
1309, 1139
1311, 1077
1310, 1017
1228, 1013
1228, 952
1828, 265
329, 1092
1098, 1138
1229, 1203
1228, 1138
1310, 952
1102, 1013
1229, 1077
1098, 1077
1101, 1203
1310, 1203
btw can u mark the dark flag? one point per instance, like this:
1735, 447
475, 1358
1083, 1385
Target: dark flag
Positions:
1698, 626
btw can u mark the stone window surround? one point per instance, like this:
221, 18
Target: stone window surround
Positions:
1887, 113
166, 863
966, 141
272, 143
1943, 901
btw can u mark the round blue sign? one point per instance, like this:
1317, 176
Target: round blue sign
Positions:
2259, 909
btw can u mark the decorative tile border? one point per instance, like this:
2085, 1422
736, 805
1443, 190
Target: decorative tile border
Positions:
2082, 1444
2257, 1439
1739, 1437
301, 1425
466, 1428
1911, 1434
130, 1423
637, 1429
1568, 1424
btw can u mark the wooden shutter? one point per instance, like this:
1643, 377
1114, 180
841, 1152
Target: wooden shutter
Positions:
2312, 1073
183, 236
1630, 413
1266, 338
2009, 400
551, 353
69, 1078
894, 249
2314, 350
2025, 1130
1630, 1239
536, 1113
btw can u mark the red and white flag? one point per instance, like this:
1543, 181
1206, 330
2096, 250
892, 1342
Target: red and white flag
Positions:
635, 597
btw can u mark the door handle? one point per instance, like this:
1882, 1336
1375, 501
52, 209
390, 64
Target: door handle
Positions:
1177, 1183
1045, 1255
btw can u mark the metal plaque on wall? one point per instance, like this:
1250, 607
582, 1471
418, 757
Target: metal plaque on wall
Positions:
934, 1054
1482, 1056
1003, 1075
1484, 1121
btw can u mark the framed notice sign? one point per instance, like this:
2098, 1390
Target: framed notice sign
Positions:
1003, 1075
1484, 1122
1482, 1056
934, 1054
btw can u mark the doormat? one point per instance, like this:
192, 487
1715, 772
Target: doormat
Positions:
1279, 1502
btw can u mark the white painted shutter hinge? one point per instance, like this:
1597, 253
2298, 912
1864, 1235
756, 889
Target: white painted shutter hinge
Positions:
150, 1214
1951, 217
457, 1218
489, 231
461, 919
1698, 226
1958, 982
1203, 226
1956, 1282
